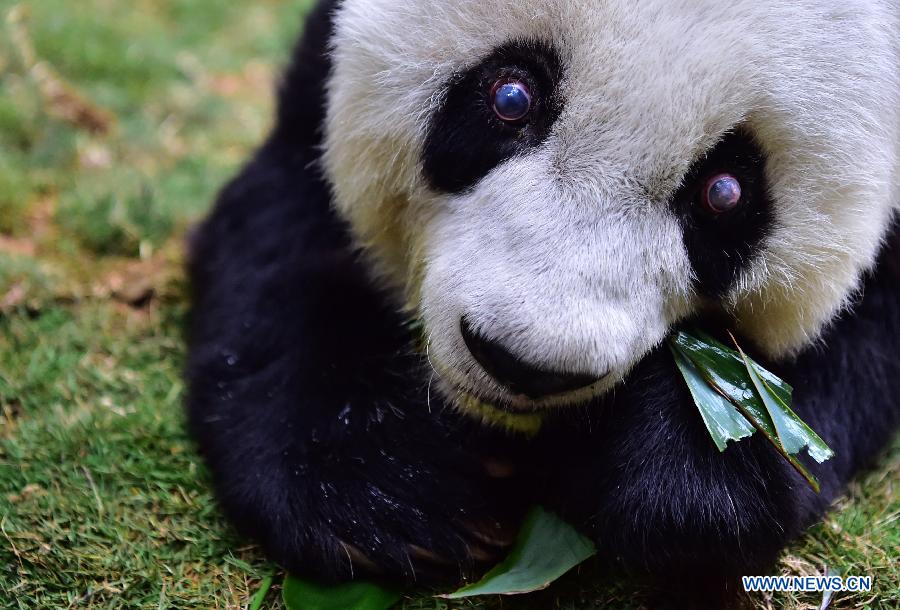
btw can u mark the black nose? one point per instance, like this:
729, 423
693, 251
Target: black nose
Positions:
520, 377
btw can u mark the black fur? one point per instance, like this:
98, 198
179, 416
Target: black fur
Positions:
306, 397
313, 409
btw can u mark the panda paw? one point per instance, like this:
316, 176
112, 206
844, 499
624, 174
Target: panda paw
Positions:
420, 508
640, 474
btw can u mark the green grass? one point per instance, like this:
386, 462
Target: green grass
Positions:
103, 503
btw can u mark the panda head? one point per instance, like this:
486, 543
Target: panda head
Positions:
554, 184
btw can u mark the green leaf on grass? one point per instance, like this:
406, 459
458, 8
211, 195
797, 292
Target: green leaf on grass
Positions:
358, 595
754, 394
545, 549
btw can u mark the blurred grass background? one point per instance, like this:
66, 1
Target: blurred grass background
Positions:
118, 123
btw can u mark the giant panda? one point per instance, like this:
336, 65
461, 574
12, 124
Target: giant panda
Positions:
474, 214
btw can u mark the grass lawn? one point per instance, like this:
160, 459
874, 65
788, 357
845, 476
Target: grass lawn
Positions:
118, 122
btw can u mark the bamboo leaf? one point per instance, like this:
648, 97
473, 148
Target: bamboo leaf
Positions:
778, 386
760, 397
725, 371
724, 422
546, 548
357, 595
793, 433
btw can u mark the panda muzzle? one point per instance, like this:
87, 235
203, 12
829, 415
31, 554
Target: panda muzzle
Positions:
517, 376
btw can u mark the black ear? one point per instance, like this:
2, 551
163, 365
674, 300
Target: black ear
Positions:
301, 96
277, 281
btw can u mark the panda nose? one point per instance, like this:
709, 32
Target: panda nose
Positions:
518, 376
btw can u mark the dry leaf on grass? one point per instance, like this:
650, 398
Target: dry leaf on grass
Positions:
60, 98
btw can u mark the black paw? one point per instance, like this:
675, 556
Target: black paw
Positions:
644, 479
423, 499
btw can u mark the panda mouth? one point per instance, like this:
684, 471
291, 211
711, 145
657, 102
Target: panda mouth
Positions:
504, 404
518, 413
526, 422
524, 403
525, 381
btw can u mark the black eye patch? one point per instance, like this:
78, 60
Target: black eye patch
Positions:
721, 244
466, 139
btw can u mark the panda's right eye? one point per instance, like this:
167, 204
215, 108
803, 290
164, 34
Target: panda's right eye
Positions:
494, 110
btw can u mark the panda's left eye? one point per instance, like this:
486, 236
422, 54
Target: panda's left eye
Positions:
511, 100
725, 209
721, 194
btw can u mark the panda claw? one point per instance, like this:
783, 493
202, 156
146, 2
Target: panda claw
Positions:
481, 554
422, 554
492, 533
498, 468
357, 558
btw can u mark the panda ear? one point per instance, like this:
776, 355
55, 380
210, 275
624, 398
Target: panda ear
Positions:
302, 94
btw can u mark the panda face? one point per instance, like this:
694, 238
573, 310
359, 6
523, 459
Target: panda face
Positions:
555, 184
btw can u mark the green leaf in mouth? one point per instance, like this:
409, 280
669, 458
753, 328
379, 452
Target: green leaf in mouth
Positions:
724, 422
733, 392
792, 431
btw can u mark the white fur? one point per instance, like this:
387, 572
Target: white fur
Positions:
568, 255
